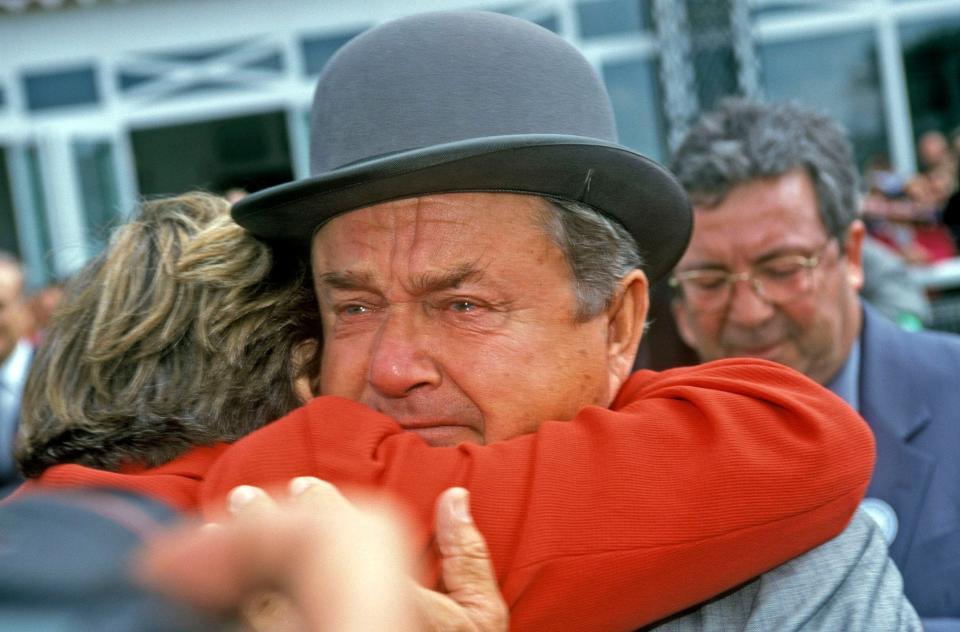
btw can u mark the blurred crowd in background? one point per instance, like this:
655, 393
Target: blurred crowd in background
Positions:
917, 216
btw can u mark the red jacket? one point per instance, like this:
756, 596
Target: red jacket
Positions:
695, 480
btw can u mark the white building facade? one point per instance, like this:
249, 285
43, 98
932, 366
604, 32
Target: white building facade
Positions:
105, 101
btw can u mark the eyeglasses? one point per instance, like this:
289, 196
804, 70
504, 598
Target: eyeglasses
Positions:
778, 281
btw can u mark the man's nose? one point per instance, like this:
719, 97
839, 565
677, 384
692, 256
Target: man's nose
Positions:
748, 307
402, 360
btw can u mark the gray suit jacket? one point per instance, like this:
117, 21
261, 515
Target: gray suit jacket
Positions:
846, 585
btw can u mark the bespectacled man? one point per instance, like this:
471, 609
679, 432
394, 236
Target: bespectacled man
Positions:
773, 271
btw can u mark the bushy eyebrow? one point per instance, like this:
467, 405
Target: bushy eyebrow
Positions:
446, 279
347, 280
426, 283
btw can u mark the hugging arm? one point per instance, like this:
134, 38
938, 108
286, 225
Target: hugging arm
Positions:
695, 481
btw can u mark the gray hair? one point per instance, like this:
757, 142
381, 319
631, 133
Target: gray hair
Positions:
742, 141
599, 251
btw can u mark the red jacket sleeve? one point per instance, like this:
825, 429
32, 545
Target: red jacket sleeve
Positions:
696, 480
176, 482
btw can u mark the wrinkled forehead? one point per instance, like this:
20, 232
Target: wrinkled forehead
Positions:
496, 240
755, 220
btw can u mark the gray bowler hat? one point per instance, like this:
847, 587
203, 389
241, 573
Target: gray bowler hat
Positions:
469, 101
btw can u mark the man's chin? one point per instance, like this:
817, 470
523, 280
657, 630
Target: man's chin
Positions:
447, 436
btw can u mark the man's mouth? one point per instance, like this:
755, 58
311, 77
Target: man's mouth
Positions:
766, 351
441, 433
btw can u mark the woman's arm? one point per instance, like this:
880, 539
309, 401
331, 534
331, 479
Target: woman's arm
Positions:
696, 480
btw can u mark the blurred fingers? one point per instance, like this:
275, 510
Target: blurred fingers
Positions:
249, 502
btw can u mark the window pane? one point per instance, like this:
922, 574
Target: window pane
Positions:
98, 188
549, 22
795, 7
8, 221
60, 88
317, 51
250, 152
837, 75
636, 103
130, 80
712, 41
613, 17
539, 13
931, 59
269, 61
197, 55
38, 229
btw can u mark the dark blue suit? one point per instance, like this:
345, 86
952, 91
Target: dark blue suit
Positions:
10, 419
910, 395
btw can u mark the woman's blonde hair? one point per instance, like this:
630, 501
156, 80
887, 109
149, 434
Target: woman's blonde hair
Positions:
182, 332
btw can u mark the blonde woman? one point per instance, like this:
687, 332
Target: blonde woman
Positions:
182, 332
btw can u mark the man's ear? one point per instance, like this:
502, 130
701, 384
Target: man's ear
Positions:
853, 252
626, 319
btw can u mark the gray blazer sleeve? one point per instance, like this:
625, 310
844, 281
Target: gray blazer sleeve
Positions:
65, 561
847, 584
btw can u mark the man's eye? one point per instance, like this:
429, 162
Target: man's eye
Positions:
354, 310
781, 270
463, 307
708, 282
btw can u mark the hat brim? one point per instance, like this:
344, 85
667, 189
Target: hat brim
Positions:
637, 192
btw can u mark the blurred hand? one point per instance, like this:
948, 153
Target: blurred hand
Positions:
317, 562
